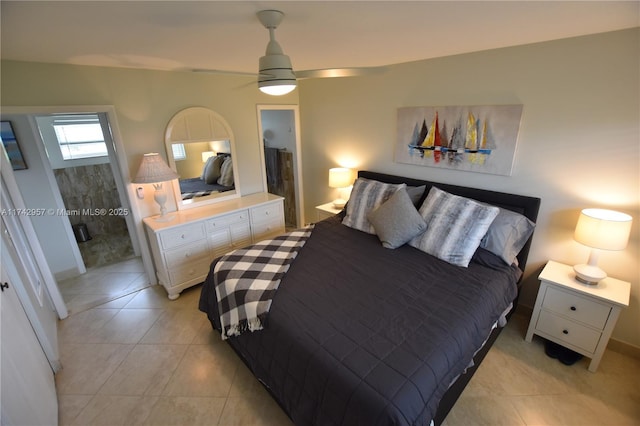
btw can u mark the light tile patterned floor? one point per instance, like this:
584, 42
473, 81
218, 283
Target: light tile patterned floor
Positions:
143, 359
103, 284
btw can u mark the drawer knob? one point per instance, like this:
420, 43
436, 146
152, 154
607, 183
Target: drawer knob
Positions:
182, 236
573, 308
565, 331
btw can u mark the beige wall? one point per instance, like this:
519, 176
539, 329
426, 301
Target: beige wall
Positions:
144, 102
578, 143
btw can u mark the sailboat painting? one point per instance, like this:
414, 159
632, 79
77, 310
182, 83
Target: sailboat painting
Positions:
469, 138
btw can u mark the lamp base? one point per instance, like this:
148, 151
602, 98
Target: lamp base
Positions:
165, 218
589, 274
339, 203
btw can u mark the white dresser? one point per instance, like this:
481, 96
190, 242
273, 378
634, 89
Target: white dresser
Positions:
184, 247
578, 316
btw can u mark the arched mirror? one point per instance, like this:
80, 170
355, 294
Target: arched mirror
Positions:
200, 148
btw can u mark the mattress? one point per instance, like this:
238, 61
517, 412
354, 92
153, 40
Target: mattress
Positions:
359, 334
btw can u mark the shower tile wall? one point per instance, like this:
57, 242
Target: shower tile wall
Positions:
85, 190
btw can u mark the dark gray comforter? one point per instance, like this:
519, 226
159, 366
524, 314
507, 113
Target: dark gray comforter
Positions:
362, 335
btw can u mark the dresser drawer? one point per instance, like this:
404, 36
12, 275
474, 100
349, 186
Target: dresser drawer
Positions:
270, 229
227, 220
172, 238
189, 271
576, 307
182, 255
240, 235
267, 212
568, 331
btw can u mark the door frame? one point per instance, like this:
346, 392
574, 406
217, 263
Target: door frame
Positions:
122, 178
297, 167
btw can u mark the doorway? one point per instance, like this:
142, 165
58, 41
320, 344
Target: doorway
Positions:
278, 127
41, 189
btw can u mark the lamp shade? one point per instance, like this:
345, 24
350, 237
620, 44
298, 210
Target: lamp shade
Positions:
206, 155
340, 177
153, 169
603, 229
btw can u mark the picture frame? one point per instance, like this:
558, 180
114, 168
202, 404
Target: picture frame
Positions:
12, 147
479, 138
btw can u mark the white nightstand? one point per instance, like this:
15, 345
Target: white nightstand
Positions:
577, 316
326, 210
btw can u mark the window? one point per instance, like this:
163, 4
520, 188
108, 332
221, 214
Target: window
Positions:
178, 151
80, 136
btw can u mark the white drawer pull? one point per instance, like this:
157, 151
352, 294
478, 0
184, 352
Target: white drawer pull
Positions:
182, 236
187, 254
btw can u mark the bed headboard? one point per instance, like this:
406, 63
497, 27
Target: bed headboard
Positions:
525, 205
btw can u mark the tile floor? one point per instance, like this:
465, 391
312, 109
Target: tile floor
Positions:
102, 284
142, 359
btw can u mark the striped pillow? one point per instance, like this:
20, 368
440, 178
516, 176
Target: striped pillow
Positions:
226, 173
366, 196
455, 226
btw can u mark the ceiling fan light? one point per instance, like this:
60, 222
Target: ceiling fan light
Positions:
274, 89
276, 75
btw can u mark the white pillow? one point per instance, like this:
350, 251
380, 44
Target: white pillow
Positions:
366, 196
455, 226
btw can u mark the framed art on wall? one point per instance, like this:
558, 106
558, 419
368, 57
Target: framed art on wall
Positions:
470, 138
11, 146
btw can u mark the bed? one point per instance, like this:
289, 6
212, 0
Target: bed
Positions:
196, 187
216, 176
364, 334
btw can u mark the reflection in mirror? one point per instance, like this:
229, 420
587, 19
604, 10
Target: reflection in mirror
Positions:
200, 147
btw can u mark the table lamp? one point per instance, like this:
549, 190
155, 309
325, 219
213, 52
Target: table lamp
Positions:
600, 229
154, 170
340, 178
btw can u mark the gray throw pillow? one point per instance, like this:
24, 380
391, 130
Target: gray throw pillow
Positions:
226, 172
455, 226
397, 221
212, 169
366, 196
415, 193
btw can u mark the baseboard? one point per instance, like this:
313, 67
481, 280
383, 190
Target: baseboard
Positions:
614, 345
624, 348
66, 274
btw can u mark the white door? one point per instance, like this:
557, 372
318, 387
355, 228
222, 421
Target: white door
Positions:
27, 387
34, 283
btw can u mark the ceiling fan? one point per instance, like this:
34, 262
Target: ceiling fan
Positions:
276, 76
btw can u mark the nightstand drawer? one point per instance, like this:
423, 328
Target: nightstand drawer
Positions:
568, 331
182, 235
576, 307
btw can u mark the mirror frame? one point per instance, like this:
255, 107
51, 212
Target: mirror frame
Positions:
214, 128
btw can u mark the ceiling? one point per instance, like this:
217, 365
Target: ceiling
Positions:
227, 36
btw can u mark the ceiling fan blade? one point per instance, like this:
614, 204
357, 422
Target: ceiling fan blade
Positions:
304, 74
223, 72
340, 72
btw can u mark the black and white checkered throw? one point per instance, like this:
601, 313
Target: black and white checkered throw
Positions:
246, 280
